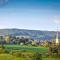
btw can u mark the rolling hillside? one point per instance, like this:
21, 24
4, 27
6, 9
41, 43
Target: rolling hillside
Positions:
35, 34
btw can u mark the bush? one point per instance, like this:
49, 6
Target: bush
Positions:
17, 54
6, 51
37, 56
2, 49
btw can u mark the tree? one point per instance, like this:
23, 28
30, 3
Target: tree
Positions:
46, 43
7, 39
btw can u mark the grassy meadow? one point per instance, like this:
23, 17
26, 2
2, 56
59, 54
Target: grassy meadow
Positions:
17, 52
27, 48
10, 57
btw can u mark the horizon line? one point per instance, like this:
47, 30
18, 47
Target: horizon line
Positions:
30, 29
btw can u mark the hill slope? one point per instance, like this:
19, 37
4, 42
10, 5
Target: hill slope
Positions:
35, 34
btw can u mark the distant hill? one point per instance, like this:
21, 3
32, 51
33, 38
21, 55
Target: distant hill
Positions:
34, 34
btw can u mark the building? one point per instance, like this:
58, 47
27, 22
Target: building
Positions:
20, 36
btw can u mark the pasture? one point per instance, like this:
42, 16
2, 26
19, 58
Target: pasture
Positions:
26, 48
10, 57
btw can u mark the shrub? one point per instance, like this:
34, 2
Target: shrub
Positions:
17, 54
2, 49
37, 56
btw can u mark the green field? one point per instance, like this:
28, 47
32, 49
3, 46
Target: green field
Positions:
51, 59
10, 57
26, 50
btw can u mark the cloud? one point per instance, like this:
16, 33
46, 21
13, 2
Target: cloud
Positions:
57, 21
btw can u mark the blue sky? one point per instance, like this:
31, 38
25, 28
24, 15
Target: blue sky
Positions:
30, 14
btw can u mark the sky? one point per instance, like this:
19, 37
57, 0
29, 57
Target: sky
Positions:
30, 14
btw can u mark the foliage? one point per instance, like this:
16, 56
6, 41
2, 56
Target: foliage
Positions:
37, 56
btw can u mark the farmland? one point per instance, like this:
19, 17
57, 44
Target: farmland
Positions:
21, 52
10, 57
27, 48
